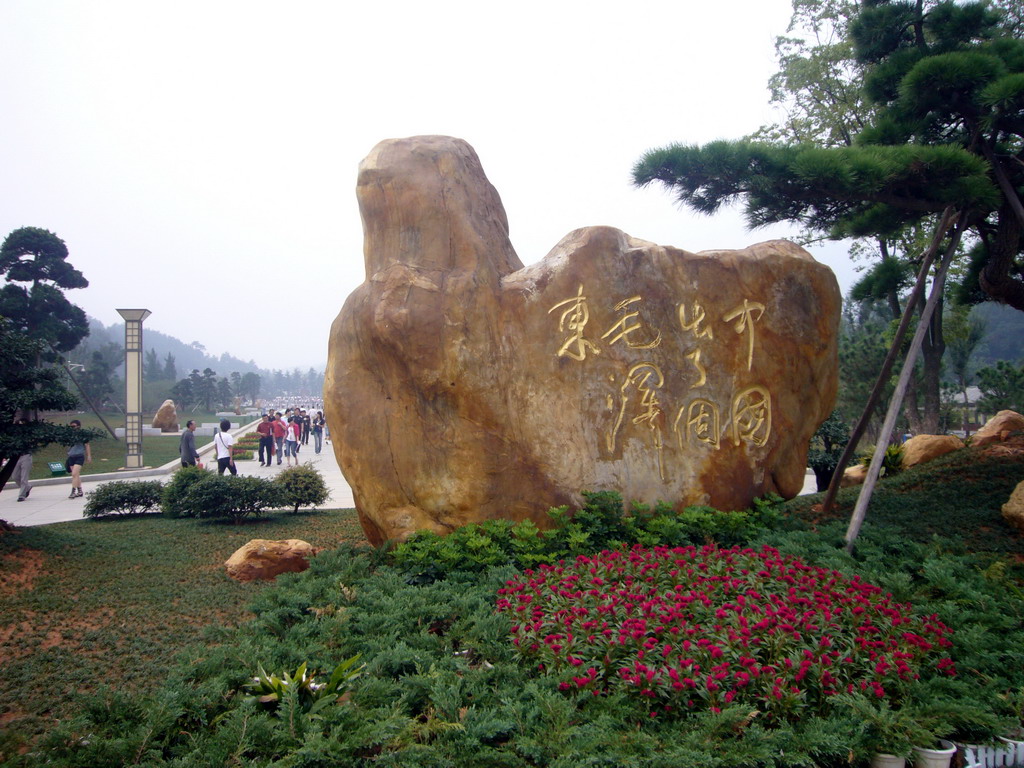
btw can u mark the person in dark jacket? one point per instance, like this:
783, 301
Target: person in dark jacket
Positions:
189, 454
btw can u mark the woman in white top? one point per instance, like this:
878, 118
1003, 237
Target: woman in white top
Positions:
224, 441
291, 436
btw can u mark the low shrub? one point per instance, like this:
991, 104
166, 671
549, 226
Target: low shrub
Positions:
242, 454
124, 497
175, 489
232, 496
600, 524
303, 486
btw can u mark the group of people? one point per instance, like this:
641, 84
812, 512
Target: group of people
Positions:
286, 433
78, 454
281, 435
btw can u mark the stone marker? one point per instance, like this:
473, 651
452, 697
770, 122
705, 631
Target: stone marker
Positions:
166, 418
462, 386
265, 559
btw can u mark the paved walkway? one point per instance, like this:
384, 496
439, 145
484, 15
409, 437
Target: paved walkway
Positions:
48, 500
49, 503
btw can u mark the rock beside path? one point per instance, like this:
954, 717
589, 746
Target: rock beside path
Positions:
263, 559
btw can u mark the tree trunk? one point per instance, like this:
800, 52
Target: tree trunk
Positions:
860, 510
932, 349
883, 375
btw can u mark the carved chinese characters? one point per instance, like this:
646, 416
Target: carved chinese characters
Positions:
463, 386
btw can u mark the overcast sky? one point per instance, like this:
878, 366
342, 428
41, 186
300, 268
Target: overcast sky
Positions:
199, 158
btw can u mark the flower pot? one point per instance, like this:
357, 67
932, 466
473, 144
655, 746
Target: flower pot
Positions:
1014, 747
940, 757
882, 760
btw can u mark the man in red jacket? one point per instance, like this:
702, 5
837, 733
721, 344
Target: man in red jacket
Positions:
266, 433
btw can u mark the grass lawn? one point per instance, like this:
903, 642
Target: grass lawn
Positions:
108, 454
113, 600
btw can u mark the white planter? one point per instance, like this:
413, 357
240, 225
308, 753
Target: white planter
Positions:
934, 758
882, 760
1009, 753
1013, 752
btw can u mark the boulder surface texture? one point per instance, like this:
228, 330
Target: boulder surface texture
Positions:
998, 428
1013, 509
166, 418
265, 559
462, 386
923, 448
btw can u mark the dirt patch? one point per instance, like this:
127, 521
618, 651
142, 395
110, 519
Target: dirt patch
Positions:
19, 570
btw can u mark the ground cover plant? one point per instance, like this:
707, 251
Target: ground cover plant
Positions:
110, 603
444, 683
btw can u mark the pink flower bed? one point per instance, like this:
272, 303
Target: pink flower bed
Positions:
703, 628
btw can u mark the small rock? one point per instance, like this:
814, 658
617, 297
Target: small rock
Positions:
923, 448
854, 475
998, 428
1013, 510
264, 559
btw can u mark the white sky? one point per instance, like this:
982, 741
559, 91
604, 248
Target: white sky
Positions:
200, 158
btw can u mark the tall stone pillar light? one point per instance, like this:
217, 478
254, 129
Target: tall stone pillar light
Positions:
133, 385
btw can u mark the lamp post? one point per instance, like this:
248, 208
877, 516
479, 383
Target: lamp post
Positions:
133, 385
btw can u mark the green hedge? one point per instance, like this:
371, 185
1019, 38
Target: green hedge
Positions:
124, 497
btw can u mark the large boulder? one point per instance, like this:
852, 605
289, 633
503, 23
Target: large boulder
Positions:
462, 386
1013, 510
265, 559
923, 448
998, 428
854, 475
166, 418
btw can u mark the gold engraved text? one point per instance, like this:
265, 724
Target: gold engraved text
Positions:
745, 314
574, 320
752, 416
628, 324
694, 325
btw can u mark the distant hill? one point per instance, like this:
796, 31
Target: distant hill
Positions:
186, 356
109, 340
1004, 334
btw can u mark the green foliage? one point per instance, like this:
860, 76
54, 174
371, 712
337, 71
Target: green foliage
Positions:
176, 488
124, 497
928, 95
303, 486
233, 496
892, 460
280, 693
1002, 387
600, 524
827, 445
242, 454
38, 258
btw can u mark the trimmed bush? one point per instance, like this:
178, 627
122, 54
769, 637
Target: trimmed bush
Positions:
124, 497
242, 454
600, 524
233, 496
174, 491
303, 486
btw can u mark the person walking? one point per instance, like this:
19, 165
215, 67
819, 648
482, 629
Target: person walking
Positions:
318, 431
187, 446
307, 423
266, 432
279, 430
291, 440
20, 476
224, 441
78, 455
